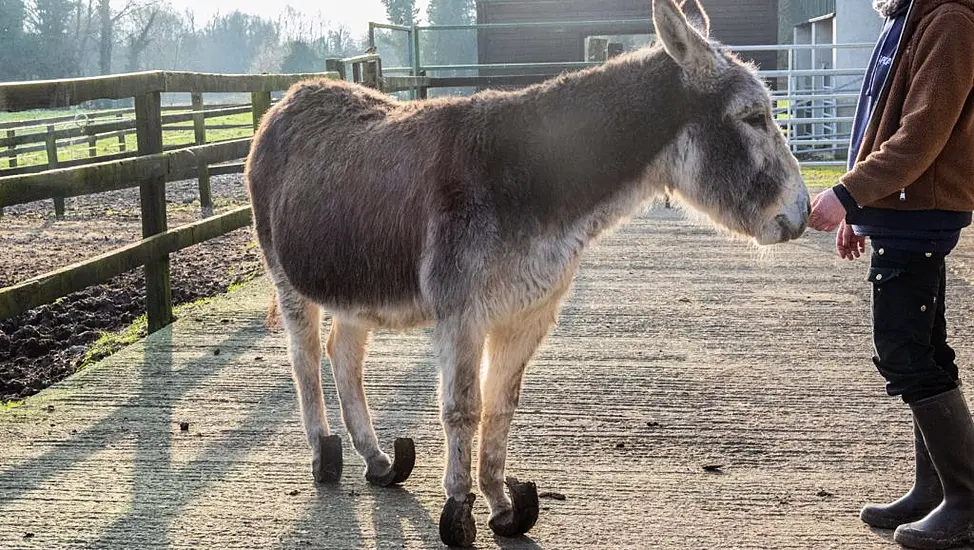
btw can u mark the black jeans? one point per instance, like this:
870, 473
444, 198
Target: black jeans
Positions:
909, 328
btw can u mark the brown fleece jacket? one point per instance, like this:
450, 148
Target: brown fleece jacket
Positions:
921, 136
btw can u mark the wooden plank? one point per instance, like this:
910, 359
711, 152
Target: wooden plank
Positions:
49, 287
52, 164
49, 94
182, 162
41, 122
223, 169
487, 81
212, 113
112, 175
240, 83
186, 128
38, 168
152, 192
202, 171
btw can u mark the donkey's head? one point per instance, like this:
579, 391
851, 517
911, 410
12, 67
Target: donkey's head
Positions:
730, 160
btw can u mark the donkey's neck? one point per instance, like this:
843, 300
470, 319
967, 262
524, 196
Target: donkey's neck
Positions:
587, 139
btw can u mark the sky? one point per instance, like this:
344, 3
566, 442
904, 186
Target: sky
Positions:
355, 14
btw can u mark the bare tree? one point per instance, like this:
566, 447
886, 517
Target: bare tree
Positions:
139, 38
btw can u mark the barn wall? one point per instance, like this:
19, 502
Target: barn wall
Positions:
734, 22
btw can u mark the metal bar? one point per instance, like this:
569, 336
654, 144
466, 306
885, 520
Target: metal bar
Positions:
815, 120
389, 26
415, 57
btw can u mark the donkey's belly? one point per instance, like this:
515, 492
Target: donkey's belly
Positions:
349, 259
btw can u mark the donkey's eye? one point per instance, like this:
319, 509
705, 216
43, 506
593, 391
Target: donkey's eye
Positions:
757, 120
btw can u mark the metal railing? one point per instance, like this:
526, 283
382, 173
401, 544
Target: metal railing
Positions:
815, 114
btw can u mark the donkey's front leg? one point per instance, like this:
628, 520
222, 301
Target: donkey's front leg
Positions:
460, 349
509, 349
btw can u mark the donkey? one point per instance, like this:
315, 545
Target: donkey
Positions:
472, 214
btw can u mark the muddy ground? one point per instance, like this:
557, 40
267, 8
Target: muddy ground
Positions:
46, 344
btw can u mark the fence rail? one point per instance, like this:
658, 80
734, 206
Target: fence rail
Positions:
149, 168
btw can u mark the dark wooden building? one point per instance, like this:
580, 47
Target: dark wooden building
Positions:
733, 22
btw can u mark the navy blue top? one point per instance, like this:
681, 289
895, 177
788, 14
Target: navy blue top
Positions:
916, 230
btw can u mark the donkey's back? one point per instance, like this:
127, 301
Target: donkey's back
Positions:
339, 197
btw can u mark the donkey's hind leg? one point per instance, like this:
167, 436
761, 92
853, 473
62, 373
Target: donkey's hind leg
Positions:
302, 323
459, 346
509, 347
346, 349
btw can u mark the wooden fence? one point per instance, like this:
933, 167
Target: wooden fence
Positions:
149, 168
45, 135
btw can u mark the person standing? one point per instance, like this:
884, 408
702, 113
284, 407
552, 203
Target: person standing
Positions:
910, 190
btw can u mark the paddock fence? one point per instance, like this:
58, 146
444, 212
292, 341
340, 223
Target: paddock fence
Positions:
148, 167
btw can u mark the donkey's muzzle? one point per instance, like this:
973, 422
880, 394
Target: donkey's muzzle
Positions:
790, 231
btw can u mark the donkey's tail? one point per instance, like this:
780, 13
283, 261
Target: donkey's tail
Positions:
272, 321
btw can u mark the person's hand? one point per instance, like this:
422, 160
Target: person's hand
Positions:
827, 211
849, 245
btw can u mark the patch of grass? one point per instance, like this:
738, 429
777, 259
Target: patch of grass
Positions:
110, 342
7, 405
822, 176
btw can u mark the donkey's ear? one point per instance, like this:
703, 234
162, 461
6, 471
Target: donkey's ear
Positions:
684, 43
697, 16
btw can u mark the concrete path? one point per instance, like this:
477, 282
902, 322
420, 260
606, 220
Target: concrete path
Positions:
697, 393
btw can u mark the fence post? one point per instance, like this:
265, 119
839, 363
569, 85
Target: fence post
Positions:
92, 146
52, 163
335, 65
202, 170
158, 293
11, 157
121, 137
372, 74
598, 50
11, 150
261, 102
414, 56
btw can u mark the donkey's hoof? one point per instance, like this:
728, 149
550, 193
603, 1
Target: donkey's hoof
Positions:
523, 514
402, 465
327, 464
457, 527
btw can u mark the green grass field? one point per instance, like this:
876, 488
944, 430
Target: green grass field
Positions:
111, 145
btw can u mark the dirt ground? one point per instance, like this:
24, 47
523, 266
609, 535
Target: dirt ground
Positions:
46, 344
49, 343
696, 393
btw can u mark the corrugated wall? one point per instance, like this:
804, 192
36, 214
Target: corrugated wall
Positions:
803, 10
732, 22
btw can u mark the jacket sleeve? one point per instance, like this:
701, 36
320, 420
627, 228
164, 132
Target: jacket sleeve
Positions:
941, 81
